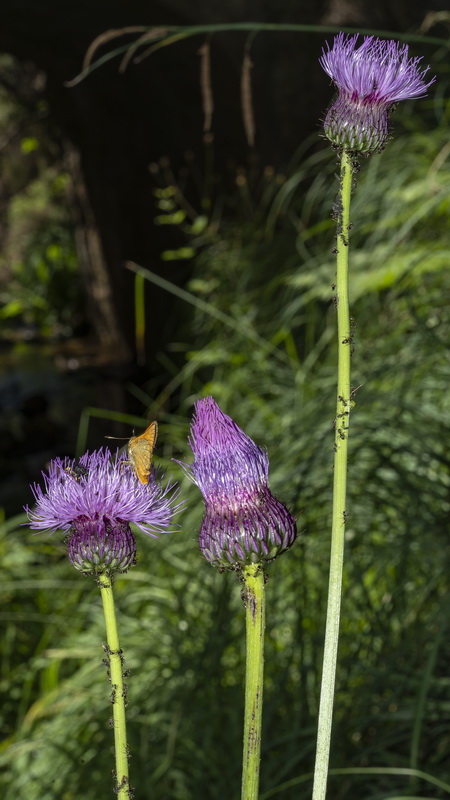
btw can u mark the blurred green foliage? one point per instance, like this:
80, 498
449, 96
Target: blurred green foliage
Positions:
40, 292
43, 291
269, 270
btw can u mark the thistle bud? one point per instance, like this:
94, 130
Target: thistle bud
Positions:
243, 522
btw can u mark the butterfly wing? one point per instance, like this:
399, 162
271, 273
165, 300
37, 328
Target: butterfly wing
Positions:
140, 451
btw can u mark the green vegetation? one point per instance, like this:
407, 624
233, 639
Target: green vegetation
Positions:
40, 285
272, 367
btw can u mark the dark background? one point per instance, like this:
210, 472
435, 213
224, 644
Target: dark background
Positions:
114, 125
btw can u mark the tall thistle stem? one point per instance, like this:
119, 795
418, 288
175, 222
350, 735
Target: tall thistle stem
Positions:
243, 528
253, 594
115, 666
343, 406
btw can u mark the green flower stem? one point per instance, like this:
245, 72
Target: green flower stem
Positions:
115, 658
343, 406
253, 576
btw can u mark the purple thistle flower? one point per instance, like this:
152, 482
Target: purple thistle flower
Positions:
94, 500
369, 79
243, 522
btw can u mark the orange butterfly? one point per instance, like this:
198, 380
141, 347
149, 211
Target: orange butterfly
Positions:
140, 451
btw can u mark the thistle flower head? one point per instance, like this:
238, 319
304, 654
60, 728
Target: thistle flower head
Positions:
370, 79
94, 501
243, 522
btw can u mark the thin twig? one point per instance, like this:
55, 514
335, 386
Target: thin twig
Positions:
114, 33
155, 33
205, 85
246, 95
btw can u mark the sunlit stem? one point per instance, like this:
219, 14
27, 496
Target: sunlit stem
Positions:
115, 659
343, 405
253, 594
